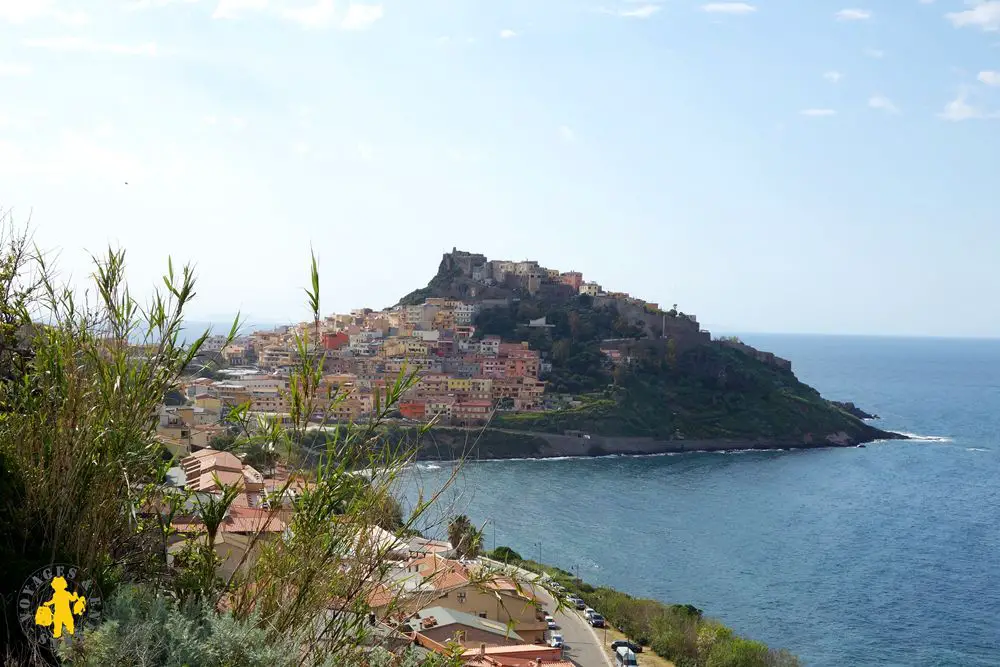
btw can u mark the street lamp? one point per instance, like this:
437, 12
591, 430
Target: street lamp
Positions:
539, 545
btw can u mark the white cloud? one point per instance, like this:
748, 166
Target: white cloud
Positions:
21, 11
984, 15
833, 76
300, 148
882, 103
14, 69
360, 17
818, 112
231, 9
959, 109
319, 15
990, 78
874, 53
239, 123
87, 45
853, 15
728, 8
507, 34
643, 11
567, 134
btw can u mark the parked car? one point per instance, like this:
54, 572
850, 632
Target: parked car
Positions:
550, 622
596, 620
624, 657
580, 604
630, 645
588, 612
556, 640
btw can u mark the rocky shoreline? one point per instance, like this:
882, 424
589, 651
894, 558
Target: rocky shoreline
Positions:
449, 444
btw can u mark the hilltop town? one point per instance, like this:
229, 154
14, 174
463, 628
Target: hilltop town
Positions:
512, 344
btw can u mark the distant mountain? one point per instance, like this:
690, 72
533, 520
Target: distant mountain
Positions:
629, 371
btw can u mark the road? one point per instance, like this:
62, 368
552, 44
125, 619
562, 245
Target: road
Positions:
583, 645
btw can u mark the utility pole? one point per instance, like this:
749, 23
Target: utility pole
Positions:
539, 545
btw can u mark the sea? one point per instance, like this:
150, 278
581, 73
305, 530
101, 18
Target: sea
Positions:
883, 555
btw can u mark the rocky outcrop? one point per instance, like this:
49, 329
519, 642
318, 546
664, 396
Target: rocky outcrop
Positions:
454, 443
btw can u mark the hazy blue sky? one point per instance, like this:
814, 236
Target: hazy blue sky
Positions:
776, 165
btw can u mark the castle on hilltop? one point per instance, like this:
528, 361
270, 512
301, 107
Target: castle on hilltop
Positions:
527, 275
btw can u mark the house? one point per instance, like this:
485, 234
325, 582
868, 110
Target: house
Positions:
335, 340
517, 655
243, 529
449, 583
471, 413
443, 625
421, 546
202, 468
590, 289
413, 409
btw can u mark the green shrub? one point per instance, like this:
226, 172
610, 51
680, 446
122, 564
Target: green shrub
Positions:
737, 652
143, 628
505, 555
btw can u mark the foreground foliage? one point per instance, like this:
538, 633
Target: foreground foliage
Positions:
83, 481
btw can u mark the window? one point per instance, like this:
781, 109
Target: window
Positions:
461, 597
482, 614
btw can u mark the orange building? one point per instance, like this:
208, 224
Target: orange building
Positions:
335, 341
413, 409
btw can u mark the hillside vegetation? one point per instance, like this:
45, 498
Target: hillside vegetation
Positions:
682, 386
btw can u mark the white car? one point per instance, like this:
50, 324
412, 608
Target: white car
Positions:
588, 612
556, 640
550, 622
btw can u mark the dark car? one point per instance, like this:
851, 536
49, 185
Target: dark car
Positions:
596, 620
632, 646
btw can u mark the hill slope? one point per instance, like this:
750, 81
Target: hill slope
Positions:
626, 368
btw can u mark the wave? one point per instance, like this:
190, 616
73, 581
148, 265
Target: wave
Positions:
926, 438
976, 449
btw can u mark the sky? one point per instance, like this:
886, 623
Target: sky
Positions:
774, 166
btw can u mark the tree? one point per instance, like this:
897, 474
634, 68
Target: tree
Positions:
505, 554
464, 536
213, 508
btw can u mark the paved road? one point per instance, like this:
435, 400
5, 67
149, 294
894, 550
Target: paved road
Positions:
583, 645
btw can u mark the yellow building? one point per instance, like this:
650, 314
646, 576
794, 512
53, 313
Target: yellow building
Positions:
459, 384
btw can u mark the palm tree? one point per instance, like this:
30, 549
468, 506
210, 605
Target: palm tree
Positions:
213, 509
464, 537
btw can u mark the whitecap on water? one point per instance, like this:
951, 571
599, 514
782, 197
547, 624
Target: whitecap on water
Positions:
926, 438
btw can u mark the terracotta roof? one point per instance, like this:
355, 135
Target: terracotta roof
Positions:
380, 596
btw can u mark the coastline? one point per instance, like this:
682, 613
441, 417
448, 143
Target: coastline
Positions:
450, 444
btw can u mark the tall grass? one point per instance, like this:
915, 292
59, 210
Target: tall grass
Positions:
82, 475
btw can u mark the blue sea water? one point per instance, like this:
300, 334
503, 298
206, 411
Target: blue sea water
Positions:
887, 555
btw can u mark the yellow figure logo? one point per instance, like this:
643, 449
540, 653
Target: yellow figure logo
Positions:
57, 612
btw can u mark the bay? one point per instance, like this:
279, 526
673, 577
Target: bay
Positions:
886, 555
